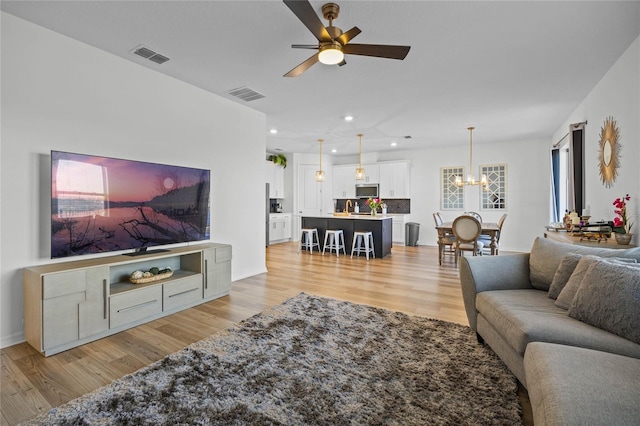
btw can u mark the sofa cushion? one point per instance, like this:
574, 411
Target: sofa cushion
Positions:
576, 386
563, 273
523, 316
569, 291
546, 256
609, 298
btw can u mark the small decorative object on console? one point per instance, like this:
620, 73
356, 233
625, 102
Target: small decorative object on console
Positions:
153, 274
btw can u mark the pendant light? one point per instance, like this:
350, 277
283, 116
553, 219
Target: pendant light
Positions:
470, 179
320, 173
360, 171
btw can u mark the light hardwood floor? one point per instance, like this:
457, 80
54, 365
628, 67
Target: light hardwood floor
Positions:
409, 280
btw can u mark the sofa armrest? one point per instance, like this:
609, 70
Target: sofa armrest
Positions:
486, 273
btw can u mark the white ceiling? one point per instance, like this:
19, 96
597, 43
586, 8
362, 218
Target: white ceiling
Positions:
514, 70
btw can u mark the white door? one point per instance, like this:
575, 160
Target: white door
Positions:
309, 196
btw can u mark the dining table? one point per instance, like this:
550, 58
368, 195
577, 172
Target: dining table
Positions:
488, 228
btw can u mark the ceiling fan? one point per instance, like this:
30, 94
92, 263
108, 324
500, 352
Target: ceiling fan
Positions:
333, 44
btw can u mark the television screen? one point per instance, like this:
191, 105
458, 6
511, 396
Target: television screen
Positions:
102, 204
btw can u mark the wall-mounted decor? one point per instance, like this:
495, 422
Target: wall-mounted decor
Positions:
452, 194
494, 197
609, 152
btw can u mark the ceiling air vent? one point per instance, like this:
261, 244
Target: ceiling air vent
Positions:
149, 54
245, 93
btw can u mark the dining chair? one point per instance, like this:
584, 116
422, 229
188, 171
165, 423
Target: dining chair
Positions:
474, 214
486, 239
467, 229
449, 239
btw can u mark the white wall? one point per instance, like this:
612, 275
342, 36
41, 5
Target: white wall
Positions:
527, 188
616, 95
61, 94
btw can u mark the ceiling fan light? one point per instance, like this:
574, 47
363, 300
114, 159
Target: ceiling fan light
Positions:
331, 54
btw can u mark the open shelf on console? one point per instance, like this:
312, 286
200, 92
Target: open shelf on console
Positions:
124, 286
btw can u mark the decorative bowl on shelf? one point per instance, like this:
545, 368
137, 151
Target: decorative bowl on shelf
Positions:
157, 277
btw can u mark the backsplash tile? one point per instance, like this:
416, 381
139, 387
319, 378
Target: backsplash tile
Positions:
394, 205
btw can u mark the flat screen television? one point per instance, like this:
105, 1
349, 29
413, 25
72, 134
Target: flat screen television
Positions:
102, 204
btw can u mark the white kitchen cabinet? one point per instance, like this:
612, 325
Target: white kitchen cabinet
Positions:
371, 173
69, 304
394, 180
274, 175
344, 181
398, 228
279, 227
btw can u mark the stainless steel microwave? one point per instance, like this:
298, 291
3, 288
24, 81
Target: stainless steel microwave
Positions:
367, 190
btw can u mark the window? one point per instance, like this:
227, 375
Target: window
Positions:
495, 197
452, 195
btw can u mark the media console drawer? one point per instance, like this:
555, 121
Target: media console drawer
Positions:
134, 305
182, 292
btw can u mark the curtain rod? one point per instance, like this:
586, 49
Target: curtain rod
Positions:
575, 125
555, 145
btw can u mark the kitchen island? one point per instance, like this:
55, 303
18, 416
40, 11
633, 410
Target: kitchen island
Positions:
381, 226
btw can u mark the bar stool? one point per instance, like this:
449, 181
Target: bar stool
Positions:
336, 241
358, 238
307, 239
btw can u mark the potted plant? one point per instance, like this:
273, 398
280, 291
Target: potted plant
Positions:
279, 159
621, 223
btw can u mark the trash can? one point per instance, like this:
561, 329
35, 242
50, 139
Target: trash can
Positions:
412, 231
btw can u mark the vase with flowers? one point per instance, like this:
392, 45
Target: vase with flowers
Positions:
374, 203
622, 221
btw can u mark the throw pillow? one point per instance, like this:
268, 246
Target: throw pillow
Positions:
546, 255
563, 273
609, 298
569, 291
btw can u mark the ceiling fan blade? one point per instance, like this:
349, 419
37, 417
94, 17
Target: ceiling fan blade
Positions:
305, 13
303, 66
377, 50
304, 46
345, 38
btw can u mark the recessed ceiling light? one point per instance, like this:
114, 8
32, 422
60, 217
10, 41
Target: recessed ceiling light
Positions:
334, 150
273, 131
394, 143
348, 118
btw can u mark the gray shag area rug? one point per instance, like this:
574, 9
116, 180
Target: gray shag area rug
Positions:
313, 360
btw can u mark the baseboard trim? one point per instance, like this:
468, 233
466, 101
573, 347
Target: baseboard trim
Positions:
12, 339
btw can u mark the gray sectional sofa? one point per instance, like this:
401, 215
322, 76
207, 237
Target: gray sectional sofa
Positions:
565, 319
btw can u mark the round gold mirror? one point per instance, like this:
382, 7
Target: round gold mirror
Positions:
609, 152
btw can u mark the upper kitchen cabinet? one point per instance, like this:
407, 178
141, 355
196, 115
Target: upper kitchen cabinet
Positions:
371, 173
344, 181
394, 180
275, 178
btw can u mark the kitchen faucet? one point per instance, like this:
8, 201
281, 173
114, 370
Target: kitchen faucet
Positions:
346, 206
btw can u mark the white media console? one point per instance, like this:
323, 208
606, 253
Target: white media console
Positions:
73, 303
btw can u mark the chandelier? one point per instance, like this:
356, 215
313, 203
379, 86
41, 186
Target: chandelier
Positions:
360, 175
470, 179
320, 173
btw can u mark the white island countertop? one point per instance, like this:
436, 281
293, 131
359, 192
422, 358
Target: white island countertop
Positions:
354, 217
